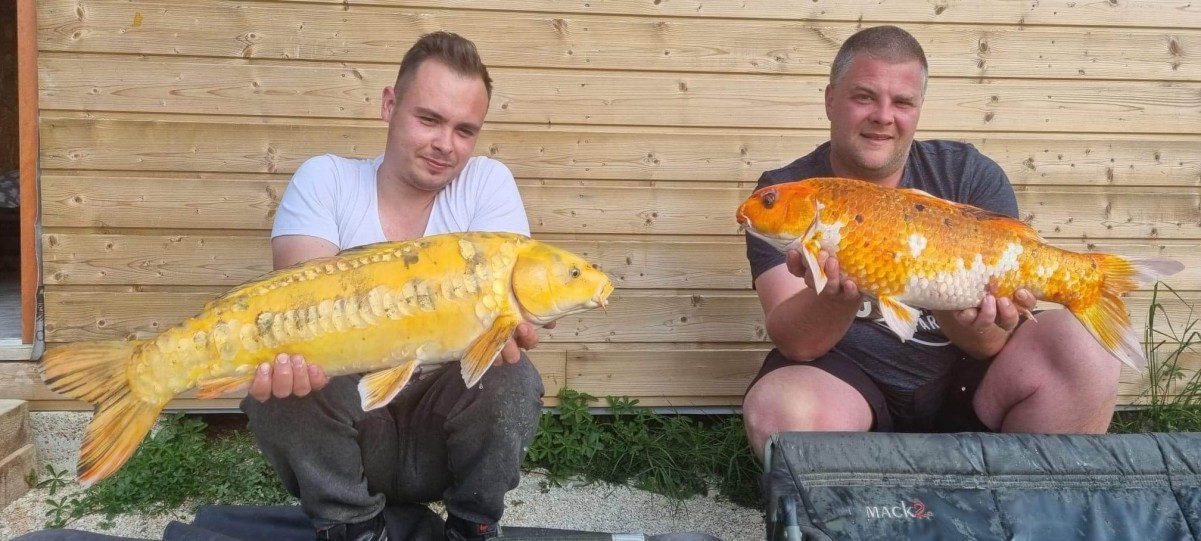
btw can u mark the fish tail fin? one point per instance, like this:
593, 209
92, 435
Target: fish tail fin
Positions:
96, 373
1106, 318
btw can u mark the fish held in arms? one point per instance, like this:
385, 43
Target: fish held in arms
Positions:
382, 309
907, 249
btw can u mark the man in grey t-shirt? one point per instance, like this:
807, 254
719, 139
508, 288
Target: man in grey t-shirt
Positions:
836, 366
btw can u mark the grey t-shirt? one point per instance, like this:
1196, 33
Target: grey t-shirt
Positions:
947, 169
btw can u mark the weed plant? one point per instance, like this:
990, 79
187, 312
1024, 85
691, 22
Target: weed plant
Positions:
178, 464
678, 456
1172, 399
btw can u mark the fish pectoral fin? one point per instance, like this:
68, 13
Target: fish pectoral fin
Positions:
378, 388
810, 249
900, 317
212, 388
483, 351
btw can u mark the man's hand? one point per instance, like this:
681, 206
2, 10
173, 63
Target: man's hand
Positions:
982, 331
838, 288
525, 337
288, 376
1003, 312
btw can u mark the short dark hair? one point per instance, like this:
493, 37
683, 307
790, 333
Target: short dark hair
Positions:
888, 43
456, 52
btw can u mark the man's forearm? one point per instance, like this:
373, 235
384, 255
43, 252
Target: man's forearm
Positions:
806, 325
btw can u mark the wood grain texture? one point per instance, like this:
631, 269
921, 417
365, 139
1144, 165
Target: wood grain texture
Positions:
381, 34
1152, 13
254, 145
597, 208
538, 96
27, 100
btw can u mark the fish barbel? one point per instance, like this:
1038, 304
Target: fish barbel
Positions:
907, 248
384, 308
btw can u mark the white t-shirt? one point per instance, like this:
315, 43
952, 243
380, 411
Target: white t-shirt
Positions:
334, 198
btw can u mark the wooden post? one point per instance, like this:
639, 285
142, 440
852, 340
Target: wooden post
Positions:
27, 106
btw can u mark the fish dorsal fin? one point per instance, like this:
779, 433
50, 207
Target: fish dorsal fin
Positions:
918, 192
374, 248
248, 286
1022, 229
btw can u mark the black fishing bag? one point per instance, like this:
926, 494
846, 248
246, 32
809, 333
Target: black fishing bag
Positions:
983, 486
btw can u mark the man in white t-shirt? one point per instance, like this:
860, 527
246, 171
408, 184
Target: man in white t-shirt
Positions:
438, 440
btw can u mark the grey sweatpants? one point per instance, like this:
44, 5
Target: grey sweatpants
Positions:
437, 440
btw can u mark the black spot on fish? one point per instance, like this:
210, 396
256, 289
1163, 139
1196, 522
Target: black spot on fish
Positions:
859, 218
263, 323
769, 199
920, 207
947, 221
410, 259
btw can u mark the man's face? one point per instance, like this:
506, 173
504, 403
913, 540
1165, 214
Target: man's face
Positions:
873, 110
434, 125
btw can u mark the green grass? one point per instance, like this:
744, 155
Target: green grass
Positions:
191, 462
1173, 397
675, 455
181, 463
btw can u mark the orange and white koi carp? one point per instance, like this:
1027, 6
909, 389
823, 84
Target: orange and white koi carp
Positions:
907, 249
382, 309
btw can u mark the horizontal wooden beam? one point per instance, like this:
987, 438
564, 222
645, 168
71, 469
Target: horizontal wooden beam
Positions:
614, 41
195, 145
1146, 13
563, 207
537, 96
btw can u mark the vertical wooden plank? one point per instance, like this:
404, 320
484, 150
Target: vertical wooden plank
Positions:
27, 106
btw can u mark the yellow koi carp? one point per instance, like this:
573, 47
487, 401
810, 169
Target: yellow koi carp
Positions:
907, 248
386, 309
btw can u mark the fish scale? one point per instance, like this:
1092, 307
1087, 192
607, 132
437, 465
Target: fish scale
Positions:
382, 309
910, 249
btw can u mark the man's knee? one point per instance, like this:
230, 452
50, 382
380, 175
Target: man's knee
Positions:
338, 398
520, 380
1066, 349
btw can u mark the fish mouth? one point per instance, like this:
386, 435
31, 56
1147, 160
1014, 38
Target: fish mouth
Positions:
600, 300
780, 243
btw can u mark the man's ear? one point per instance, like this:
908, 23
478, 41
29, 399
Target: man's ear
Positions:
828, 97
387, 103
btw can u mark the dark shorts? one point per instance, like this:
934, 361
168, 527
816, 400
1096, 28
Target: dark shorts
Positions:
958, 387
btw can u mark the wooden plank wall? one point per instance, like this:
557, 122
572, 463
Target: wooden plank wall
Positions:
170, 129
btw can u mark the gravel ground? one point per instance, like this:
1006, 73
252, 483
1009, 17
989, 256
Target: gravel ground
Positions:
602, 508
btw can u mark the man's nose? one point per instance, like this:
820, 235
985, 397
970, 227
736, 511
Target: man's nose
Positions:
442, 141
882, 113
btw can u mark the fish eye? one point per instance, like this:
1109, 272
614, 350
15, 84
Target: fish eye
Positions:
575, 272
769, 199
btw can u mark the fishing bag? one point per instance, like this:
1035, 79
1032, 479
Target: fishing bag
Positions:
982, 486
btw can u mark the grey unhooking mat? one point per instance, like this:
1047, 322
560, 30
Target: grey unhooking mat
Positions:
983, 486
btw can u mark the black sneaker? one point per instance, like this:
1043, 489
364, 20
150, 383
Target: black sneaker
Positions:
458, 529
368, 530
